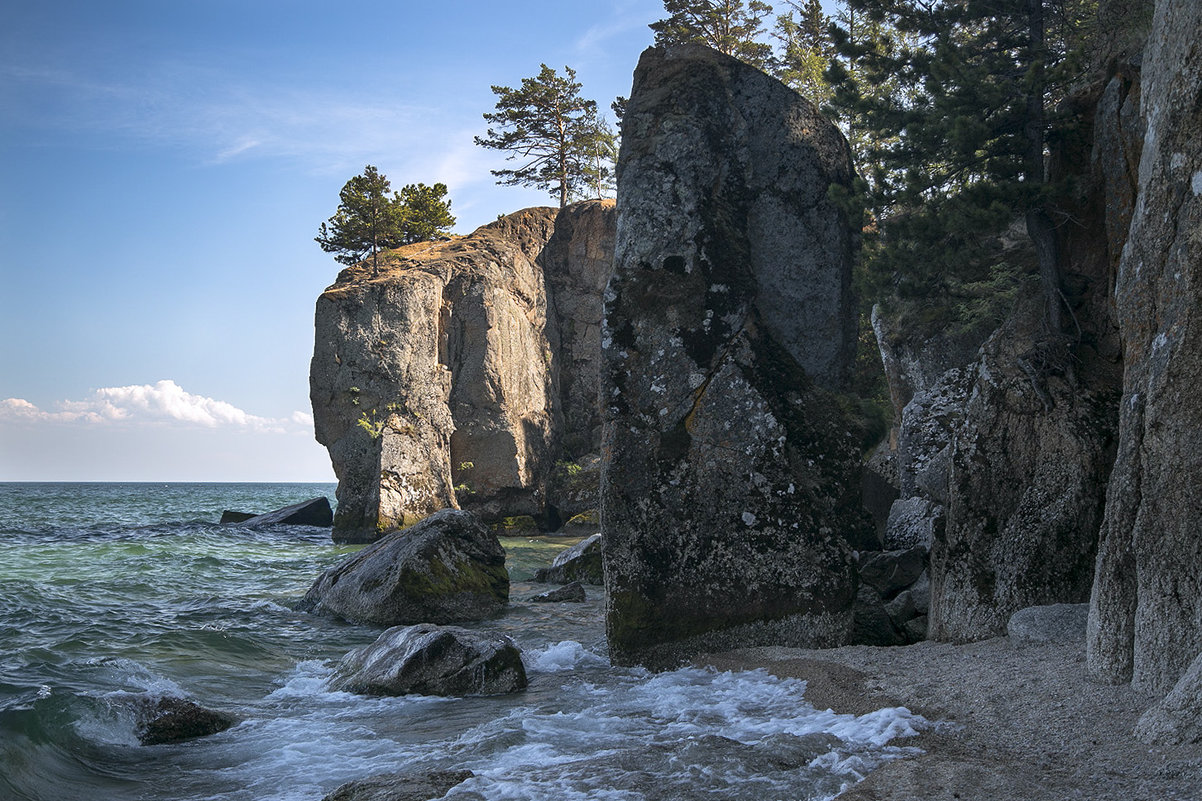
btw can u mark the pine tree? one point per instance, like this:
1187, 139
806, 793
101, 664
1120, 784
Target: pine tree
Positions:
424, 213
368, 220
733, 27
806, 50
959, 150
554, 131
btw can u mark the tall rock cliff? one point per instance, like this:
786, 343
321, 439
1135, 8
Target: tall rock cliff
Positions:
438, 384
730, 472
1145, 620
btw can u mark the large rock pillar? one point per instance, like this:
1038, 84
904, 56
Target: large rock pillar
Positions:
1145, 622
730, 466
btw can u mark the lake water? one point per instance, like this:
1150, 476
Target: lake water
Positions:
114, 591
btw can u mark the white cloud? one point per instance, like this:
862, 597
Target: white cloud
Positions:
162, 402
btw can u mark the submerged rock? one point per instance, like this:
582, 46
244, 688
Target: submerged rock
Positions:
164, 720
230, 516
569, 593
400, 786
581, 562
313, 512
433, 660
449, 568
732, 469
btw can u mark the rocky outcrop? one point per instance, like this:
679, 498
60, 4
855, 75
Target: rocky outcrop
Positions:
404, 786
449, 568
581, 562
449, 379
1145, 620
1029, 463
433, 660
731, 476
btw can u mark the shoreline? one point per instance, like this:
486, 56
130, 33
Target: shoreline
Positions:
1031, 726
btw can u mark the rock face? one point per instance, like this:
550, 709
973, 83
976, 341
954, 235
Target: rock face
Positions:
433, 660
1146, 609
449, 568
449, 380
730, 474
1029, 463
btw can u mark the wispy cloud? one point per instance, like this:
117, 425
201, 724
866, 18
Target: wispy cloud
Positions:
219, 117
164, 402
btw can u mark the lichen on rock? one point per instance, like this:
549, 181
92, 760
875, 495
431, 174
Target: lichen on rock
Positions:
730, 476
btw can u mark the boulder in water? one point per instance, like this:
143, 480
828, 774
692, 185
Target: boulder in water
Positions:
400, 786
569, 593
581, 562
313, 512
230, 516
433, 660
449, 568
164, 719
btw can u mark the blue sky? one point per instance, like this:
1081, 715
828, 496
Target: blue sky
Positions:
164, 167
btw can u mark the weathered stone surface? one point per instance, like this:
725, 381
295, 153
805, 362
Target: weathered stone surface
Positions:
447, 380
582, 562
433, 660
913, 522
400, 786
313, 512
873, 623
1177, 718
165, 719
574, 486
585, 524
1029, 464
889, 572
1146, 616
577, 262
1050, 623
449, 568
569, 593
731, 478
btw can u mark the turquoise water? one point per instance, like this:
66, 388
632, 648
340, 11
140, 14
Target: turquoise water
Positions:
113, 591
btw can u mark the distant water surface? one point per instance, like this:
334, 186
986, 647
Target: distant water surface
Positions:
109, 591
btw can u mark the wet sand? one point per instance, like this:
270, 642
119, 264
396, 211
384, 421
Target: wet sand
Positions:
1029, 725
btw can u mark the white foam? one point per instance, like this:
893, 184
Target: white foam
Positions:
564, 655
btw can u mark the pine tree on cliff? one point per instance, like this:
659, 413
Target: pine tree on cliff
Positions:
370, 219
960, 150
733, 27
563, 145
424, 213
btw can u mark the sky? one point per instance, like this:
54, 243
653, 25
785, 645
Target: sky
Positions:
164, 167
